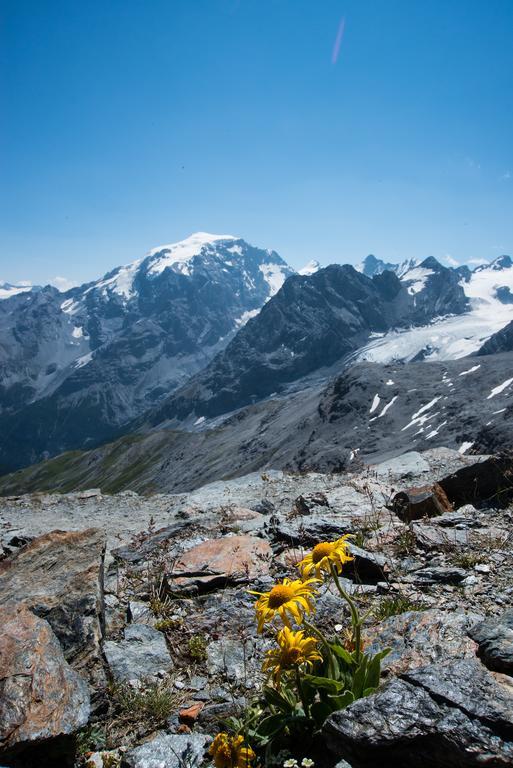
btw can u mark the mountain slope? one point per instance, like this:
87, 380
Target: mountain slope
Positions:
371, 411
75, 367
486, 291
311, 324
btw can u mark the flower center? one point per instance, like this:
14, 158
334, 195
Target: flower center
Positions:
279, 595
293, 655
321, 551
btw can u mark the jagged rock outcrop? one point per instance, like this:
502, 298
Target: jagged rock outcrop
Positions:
42, 699
502, 341
59, 576
494, 637
444, 715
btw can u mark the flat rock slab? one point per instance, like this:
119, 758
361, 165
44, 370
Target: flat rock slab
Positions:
410, 464
169, 751
437, 575
219, 562
142, 654
418, 638
446, 715
41, 696
495, 639
59, 576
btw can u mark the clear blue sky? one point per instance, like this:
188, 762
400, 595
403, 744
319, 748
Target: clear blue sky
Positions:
130, 123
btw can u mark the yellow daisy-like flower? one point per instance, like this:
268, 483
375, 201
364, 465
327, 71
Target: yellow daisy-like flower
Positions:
324, 554
289, 599
229, 752
294, 649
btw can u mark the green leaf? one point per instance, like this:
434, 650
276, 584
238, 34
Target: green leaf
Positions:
342, 653
278, 699
327, 683
272, 725
359, 678
343, 701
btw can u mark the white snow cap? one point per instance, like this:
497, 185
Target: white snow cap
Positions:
310, 268
184, 251
7, 289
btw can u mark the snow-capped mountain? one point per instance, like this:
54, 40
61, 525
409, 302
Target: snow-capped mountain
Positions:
371, 266
75, 366
488, 292
199, 329
8, 290
315, 322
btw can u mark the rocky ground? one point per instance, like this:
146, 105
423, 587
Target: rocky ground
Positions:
128, 633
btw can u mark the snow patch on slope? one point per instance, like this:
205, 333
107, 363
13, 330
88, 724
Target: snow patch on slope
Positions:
274, 276
311, 268
7, 289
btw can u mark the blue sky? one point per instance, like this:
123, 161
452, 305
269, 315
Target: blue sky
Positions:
130, 123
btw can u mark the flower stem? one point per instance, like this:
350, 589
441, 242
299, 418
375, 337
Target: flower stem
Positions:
301, 693
355, 615
321, 637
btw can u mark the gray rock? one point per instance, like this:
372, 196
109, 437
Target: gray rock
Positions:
309, 530
410, 464
168, 751
142, 654
443, 716
41, 698
468, 685
495, 639
366, 565
235, 660
438, 575
418, 638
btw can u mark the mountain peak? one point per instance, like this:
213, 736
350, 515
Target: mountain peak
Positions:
431, 263
311, 268
192, 245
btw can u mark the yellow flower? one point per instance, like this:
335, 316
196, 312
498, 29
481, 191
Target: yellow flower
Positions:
294, 649
324, 554
289, 599
229, 752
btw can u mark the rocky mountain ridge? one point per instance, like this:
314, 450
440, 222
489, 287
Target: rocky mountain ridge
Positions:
178, 321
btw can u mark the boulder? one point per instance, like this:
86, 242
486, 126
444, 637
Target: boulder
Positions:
59, 576
42, 699
437, 575
308, 530
418, 638
494, 637
220, 562
410, 464
446, 715
421, 501
142, 654
168, 751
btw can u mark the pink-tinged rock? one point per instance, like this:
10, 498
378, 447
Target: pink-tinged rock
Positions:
41, 697
59, 576
218, 562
